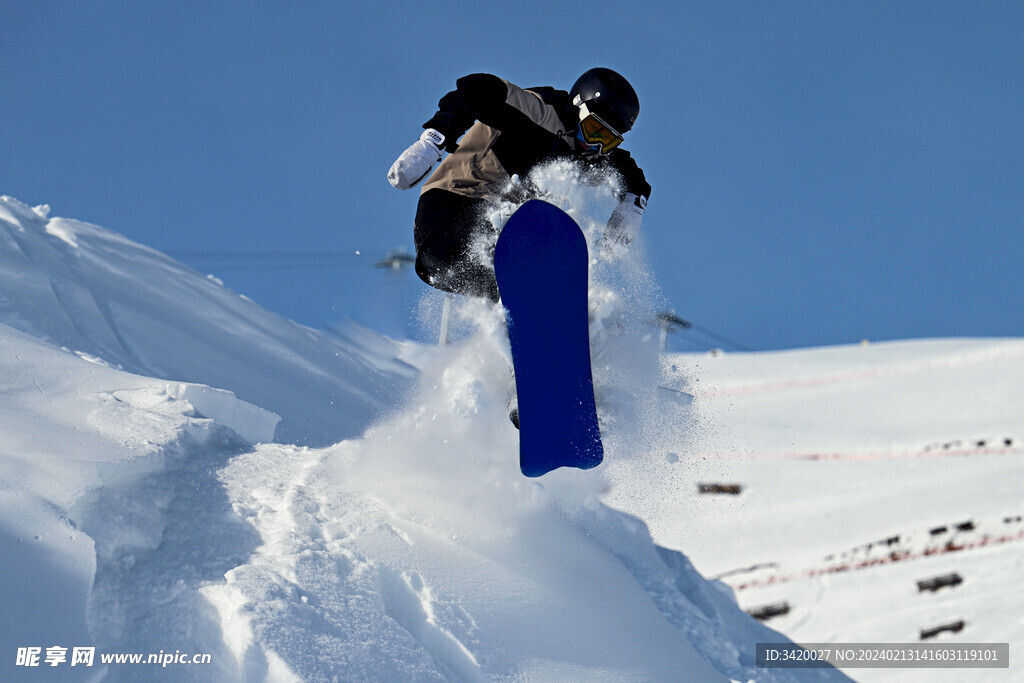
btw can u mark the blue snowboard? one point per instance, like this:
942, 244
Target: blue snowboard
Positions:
541, 263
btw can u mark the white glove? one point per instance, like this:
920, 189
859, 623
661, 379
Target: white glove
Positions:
416, 162
624, 225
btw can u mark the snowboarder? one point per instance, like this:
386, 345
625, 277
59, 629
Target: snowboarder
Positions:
506, 130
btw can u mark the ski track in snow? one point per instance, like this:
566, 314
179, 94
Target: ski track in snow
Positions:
874, 455
370, 620
149, 582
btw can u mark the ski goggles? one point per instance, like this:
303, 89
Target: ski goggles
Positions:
594, 131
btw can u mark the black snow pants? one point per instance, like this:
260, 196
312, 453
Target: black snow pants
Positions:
451, 234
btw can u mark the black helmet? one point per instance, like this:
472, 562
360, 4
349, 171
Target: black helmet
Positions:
608, 95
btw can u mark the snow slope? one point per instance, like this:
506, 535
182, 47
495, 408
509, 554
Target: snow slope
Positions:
181, 470
863, 470
99, 467
100, 295
145, 507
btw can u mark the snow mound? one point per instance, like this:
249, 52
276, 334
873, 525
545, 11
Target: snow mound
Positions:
92, 291
111, 510
421, 553
139, 516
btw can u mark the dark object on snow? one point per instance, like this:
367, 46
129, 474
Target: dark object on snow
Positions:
731, 489
938, 582
952, 627
766, 612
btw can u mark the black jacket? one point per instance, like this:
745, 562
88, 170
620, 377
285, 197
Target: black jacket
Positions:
508, 130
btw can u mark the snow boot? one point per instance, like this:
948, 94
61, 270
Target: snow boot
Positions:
513, 408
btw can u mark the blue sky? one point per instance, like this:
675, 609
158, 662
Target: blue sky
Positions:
823, 172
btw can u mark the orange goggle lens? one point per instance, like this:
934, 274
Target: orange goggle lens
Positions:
597, 132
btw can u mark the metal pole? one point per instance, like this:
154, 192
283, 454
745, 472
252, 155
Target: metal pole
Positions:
446, 316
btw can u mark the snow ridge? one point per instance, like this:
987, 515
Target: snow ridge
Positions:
84, 288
